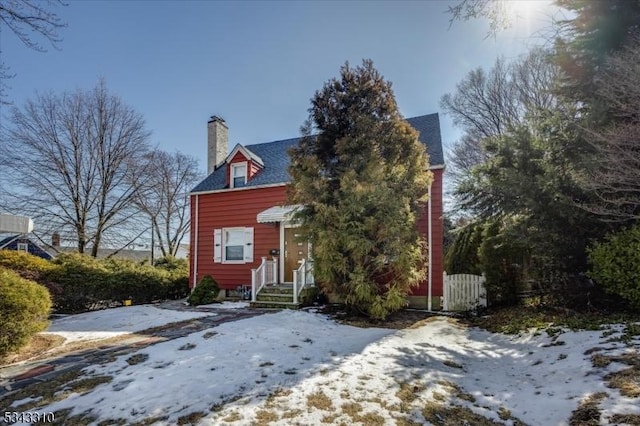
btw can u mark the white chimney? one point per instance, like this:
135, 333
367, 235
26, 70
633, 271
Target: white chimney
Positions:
218, 142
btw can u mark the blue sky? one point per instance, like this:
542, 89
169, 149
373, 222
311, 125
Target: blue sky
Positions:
257, 64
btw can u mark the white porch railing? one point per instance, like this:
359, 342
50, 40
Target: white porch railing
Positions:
265, 274
463, 292
302, 277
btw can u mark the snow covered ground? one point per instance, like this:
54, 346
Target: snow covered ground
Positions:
296, 367
115, 322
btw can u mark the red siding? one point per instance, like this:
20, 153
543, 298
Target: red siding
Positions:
252, 166
240, 208
232, 209
436, 239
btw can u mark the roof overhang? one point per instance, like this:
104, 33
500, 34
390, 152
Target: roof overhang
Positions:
277, 214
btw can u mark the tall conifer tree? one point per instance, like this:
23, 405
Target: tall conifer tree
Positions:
362, 175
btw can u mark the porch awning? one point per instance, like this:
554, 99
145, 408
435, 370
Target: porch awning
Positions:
277, 214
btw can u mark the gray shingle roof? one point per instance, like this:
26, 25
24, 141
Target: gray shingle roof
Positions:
276, 158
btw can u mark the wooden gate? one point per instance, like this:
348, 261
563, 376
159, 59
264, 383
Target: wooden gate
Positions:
464, 292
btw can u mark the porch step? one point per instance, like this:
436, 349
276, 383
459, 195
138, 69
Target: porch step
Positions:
274, 305
277, 289
274, 297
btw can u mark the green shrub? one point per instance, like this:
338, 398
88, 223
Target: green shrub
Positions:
84, 281
18, 261
615, 264
205, 292
24, 308
178, 269
130, 280
462, 255
501, 257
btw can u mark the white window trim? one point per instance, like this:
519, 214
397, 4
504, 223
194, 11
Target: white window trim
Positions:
23, 247
219, 249
235, 166
224, 251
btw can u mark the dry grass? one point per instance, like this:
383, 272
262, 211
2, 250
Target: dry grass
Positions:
627, 381
291, 414
329, 419
457, 391
37, 346
407, 394
627, 419
265, 417
588, 412
320, 401
191, 419
232, 417
442, 415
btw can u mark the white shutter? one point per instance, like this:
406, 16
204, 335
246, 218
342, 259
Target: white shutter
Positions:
217, 245
248, 244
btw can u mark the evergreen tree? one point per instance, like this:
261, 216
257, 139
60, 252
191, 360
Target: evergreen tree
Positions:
361, 174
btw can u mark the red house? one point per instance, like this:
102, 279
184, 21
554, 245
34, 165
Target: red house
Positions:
241, 232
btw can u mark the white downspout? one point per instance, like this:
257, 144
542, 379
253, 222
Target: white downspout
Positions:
429, 244
195, 246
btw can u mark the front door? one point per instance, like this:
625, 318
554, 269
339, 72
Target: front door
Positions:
295, 249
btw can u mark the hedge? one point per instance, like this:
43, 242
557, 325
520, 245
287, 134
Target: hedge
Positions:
79, 283
24, 309
615, 264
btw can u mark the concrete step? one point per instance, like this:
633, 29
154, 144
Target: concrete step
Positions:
274, 297
277, 290
274, 305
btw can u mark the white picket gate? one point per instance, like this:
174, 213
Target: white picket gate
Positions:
463, 292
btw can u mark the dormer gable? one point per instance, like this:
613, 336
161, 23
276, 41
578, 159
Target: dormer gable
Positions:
242, 165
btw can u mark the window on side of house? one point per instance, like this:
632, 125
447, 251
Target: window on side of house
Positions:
238, 175
233, 245
23, 247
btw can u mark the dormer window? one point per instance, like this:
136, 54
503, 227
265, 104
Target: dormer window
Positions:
238, 174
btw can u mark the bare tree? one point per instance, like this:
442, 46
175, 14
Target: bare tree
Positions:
616, 178
32, 22
166, 198
489, 104
76, 162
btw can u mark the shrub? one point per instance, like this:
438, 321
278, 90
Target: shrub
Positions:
205, 292
130, 280
615, 264
178, 269
84, 281
501, 258
462, 255
24, 308
18, 261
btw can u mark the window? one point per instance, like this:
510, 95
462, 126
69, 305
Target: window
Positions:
233, 245
23, 247
238, 175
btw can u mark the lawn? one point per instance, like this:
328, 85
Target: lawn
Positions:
302, 367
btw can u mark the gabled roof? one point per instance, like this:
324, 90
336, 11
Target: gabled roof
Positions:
275, 158
8, 240
248, 154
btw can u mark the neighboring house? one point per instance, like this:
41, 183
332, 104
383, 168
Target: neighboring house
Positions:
240, 221
25, 243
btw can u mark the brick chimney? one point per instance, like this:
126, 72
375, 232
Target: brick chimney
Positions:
218, 142
55, 239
